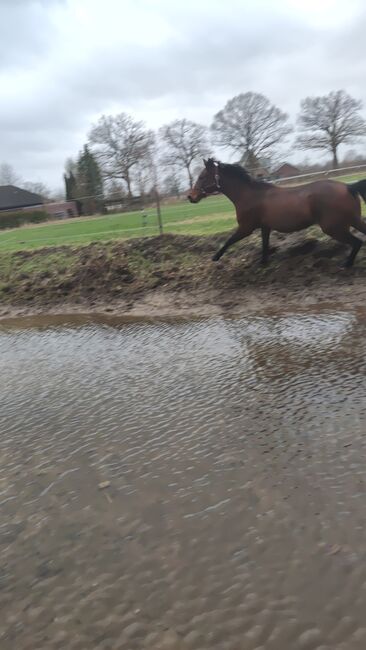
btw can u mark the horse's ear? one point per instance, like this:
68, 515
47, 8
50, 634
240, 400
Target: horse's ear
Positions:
205, 162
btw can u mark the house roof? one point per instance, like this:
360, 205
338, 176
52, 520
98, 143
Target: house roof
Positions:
12, 197
287, 168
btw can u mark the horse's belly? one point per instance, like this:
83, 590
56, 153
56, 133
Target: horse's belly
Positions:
294, 227
292, 222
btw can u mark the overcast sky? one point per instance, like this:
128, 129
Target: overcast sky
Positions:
65, 62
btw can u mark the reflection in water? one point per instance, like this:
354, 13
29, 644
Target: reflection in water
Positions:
233, 454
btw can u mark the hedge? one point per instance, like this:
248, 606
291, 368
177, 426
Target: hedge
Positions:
16, 219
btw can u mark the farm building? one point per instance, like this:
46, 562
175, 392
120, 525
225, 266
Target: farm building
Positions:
261, 172
286, 170
14, 198
62, 209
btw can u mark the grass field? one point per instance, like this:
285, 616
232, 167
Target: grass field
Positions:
213, 215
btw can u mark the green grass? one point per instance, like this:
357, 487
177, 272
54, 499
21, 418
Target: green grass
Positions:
213, 215
180, 217
350, 178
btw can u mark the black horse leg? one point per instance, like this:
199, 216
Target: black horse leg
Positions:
265, 244
356, 245
236, 236
345, 237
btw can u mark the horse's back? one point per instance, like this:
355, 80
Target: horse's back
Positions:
296, 208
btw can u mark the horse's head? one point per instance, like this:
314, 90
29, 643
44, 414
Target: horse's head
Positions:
207, 183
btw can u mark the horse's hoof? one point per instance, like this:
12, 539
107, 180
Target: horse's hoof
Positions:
215, 258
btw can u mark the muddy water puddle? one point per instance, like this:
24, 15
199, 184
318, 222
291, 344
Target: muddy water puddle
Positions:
179, 485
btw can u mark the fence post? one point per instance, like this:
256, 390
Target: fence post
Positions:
160, 222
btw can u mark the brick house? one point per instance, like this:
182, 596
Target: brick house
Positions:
286, 171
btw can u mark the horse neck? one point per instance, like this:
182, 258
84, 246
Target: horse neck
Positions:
234, 189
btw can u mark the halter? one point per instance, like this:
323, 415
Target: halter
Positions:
217, 181
217, 176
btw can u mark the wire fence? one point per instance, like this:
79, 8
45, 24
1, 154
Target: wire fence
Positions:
328, 173
179, 216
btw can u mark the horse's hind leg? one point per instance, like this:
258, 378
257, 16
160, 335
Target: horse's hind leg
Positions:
236, 236
345, 237
359, 224
356, 244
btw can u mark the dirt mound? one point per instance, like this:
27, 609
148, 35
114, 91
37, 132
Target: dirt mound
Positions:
300, 264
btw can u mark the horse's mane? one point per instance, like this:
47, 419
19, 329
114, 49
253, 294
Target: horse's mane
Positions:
239, 172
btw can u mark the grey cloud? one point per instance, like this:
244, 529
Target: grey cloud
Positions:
212, 54
227, 52
25, 31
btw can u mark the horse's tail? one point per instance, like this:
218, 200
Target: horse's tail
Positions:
358, 188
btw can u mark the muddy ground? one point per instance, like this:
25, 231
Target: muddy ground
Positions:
203, 494
174, 275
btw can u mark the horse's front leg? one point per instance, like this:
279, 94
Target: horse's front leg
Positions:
236, 236
265, 244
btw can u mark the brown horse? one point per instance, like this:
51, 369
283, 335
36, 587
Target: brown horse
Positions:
333, 206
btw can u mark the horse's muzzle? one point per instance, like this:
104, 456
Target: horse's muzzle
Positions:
194, 196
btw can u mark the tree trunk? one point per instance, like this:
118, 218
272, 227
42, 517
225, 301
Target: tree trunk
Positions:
335, 158
189, 176
158, 210
128, 181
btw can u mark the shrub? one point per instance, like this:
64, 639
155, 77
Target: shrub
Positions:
16, 219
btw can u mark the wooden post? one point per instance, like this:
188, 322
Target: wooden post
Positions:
160, 222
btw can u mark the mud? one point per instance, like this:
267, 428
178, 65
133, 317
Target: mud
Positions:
174, 275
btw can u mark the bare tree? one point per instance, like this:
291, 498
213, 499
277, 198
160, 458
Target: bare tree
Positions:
8, 175
329, 121
115, 190
120, 144
185, 141
145, 172
250, 125
172, 184
38, 188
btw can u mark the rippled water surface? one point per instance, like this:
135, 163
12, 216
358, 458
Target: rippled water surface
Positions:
192, 485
